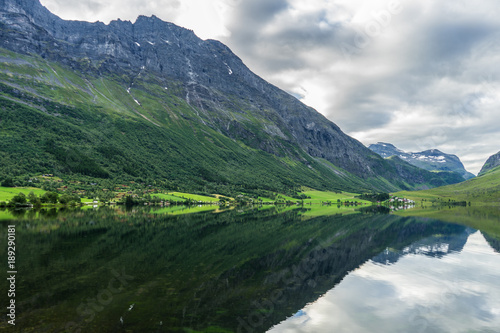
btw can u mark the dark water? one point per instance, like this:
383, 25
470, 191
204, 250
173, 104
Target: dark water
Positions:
109, 270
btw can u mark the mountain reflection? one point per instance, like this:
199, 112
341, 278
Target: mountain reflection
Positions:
232, 271
435, 246
445, 283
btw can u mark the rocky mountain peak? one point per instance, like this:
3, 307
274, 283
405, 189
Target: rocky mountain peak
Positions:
386, 144
431, 159
33, 9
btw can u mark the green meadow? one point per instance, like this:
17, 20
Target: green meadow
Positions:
318, 197
480, 190
7, 193
179, 197
314, 197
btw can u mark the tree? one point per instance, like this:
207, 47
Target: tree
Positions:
50, 197
34, 199
129, 201
7, 182
19, 199
69, 199
106, 196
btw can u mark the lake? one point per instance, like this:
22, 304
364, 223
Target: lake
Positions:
258, 269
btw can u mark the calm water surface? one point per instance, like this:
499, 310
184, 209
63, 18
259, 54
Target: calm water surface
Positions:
255, 270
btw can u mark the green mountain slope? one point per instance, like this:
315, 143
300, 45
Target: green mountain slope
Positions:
54, 121
151, 101
424, 178
492, 162
483, 189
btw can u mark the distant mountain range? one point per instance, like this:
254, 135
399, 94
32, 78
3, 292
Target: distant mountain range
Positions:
432, 160
149, 101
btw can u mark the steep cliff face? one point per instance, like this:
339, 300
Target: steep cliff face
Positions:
220, 91
492, 162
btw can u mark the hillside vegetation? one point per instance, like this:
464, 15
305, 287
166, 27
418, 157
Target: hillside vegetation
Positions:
482, 189
91, 136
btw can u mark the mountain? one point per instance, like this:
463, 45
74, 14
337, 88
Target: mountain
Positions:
386, 150
492, 162
149, 101
431, 160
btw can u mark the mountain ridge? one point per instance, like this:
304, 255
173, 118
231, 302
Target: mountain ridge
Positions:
157, 72
431, 159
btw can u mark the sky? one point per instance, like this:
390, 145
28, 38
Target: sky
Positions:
420, 74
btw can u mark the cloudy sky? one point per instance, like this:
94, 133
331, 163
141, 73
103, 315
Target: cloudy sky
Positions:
419, 74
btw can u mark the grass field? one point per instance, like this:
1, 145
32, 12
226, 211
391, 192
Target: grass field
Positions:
317, 197
280, 197
7, 193
484, 189
167, 197
195, 197
179, 196
322, 196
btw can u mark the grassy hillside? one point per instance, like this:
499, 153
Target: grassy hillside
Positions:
177, 196
88, 128
425, 179
482, 189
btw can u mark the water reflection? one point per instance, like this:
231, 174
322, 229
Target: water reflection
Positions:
139, 270
438, 284
65, 212
435, 246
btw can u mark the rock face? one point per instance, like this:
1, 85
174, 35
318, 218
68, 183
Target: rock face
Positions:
225, 94
491, 163
431, 160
